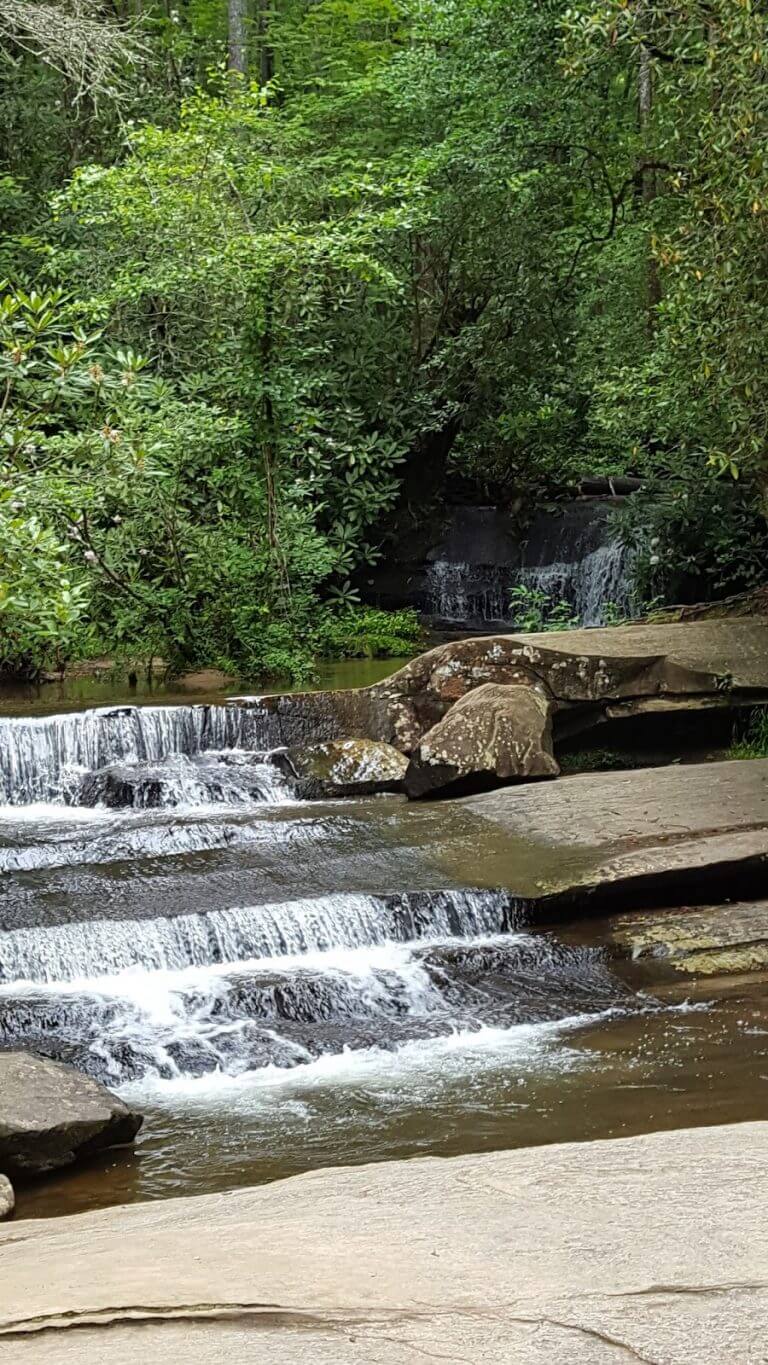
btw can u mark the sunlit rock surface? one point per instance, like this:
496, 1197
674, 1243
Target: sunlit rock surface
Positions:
648, 1249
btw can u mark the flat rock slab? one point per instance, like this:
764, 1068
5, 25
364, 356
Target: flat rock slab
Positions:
50, 1114
705, 940
651, 1249
602, 836
733, 648
627, 808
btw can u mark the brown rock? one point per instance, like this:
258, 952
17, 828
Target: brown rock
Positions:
583, 668
496, 733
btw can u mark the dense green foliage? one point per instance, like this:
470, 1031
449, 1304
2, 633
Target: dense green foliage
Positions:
269, 286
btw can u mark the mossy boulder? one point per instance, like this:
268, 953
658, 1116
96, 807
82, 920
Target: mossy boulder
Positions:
342, 767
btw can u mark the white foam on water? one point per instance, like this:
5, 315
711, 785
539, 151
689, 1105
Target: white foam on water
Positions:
49, 812
412, 1066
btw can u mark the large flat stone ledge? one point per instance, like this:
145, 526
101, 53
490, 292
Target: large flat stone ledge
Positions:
651, 1249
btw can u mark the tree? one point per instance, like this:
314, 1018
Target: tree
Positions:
238, 45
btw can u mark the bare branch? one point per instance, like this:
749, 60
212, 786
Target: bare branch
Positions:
74, 38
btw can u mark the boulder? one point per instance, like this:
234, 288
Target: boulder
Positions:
7, 1197
50, 1114
578, 669
342, 767
497, 733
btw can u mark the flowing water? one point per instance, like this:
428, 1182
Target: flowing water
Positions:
279, 984
483, 595
575, 560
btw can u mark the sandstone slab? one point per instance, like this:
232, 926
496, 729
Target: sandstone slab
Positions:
649, 1249
577, 669
645, 836
50, 1114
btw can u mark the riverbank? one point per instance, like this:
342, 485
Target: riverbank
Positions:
653, 1248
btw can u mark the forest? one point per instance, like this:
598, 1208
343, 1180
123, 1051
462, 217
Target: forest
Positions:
277, 274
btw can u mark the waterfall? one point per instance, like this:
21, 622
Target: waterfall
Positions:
589, 585
67, 952
279, 985
473, 594
43, 758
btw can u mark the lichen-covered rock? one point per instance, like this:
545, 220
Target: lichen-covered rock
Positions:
50, 1114
497, 733
343, 767
7, 1197
582, 668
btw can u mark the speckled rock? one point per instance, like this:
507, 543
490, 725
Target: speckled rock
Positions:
7, 1197
343, 767
497, 733
583, 669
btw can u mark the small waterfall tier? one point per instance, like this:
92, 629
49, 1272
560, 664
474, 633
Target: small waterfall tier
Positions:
255, 988
137, 756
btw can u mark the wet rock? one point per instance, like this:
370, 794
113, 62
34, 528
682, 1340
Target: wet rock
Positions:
50, 1114
7, 1197
229, 779
121, 785
343, 767
495, 734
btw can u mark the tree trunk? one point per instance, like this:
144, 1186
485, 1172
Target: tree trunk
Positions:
266, 51
238, 51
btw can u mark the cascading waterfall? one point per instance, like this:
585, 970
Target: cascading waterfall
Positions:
44, 758
281, 984
472, 594
573, 558
589, 585
102, 947
158, 944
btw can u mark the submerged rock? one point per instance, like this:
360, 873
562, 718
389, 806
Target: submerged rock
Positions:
497, 733
50, 1114
343, 767
218, 779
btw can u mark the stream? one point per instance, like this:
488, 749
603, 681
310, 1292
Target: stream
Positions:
279, 985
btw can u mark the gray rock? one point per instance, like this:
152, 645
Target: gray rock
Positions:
7, 1197
342, 767
497, 733
50, 1114
650, 1249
